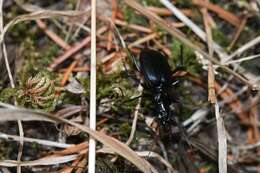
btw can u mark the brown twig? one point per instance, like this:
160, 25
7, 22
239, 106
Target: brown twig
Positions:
143, 40
114, 60
165, 12
72, 150
226, 15
77, 69
222, 139
254, 119
211, 76
68, 53
108, 57
81, 165
165, 49
120, 14
68, 72
102, 121
238, 32
133, 26
53, 35
121, 22
113, 18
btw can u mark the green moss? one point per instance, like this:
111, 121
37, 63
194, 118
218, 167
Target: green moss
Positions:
29, 52
70, 98
190, 63
134, 18
48, 55
220, 38
215, 1
125, 128
86, 84
6, 149
119, 89
7, 94
18, 31
1, 84
71, 4
147, 104
209, 167
25, 30
154, 3
184, 3
104, 165
35, 57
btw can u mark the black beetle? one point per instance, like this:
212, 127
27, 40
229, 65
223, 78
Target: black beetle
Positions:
158, 78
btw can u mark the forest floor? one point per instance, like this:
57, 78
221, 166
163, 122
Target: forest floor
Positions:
45, 86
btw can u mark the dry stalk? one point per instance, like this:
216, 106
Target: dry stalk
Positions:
222, 143
34, 140
93, 70
238, 32
20, 126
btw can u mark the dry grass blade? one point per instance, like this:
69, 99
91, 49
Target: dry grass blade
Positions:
211, 76
22, 114
148, 154
211, 82
33, 140
183, 38
143, 40
43, 14
243, 48
137, 108
113, 18
238, 32
75, 149
115, 145
222, 142
133, 26
165, 12
160, 158
243, 59
42, 161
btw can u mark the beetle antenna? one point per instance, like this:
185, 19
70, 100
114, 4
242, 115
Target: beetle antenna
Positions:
122, 42
181, 56
180, 64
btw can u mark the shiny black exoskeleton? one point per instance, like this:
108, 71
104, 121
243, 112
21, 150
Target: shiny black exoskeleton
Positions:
158, 79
